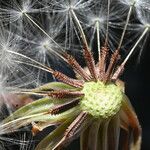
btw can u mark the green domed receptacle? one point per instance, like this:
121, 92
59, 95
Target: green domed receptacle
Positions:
101, 100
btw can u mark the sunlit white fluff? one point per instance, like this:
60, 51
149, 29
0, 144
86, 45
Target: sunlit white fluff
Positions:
41, 44
13, 11
97, 20
65, 5
13, 75
129, 2
7, 42
5, 96
143, 12
26, 141
23, 141
10, 71
63, 8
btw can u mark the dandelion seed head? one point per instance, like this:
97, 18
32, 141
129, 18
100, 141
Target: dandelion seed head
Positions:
100, 100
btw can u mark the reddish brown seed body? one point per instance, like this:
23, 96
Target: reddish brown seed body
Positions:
90, 62
118, 72
102, 62
65, 79
65, 94
113, 61
75, 65
64, 107
75, 125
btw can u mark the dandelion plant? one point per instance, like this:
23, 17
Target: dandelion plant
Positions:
92, 105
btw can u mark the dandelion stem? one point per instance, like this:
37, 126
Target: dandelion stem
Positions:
125, 27
93, 137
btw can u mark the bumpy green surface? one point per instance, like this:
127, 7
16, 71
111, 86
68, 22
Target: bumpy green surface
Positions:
100, 100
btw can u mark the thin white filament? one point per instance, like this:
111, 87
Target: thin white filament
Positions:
125, 27
50, 49
40, 28
21, 62
98, 38
30, 93
79, 27
41, 66
107, 28
138, 41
